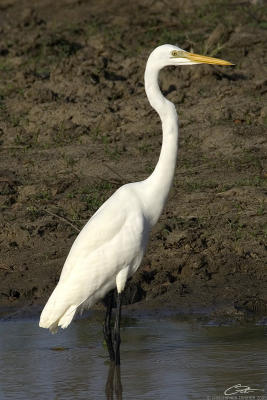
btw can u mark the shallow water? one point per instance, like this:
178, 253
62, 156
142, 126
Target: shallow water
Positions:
165, 358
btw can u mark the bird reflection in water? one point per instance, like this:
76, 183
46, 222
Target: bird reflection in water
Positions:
113, 384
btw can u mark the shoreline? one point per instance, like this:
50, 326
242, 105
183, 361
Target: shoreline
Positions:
218, 315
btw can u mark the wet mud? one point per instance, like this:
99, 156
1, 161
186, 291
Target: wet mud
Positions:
75, 124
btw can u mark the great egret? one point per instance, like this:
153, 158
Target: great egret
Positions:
110, 247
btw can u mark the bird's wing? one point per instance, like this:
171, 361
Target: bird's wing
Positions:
104, 225
112, 240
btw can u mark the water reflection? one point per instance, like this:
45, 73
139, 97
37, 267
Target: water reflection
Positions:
161, 358
113, 385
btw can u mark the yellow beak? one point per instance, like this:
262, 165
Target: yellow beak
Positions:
205, 60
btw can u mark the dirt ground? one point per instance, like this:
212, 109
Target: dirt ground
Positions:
75, 124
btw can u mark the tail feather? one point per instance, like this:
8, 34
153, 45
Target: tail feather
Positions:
66, 318
58, 311
52, 320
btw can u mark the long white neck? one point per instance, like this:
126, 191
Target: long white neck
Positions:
157, 185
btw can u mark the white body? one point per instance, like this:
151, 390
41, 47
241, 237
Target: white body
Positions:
110, 247
107, 251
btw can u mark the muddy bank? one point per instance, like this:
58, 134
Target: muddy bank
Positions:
75, 124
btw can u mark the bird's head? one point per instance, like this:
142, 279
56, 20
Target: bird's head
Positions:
168, 54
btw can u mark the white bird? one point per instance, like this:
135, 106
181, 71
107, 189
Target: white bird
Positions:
110, 247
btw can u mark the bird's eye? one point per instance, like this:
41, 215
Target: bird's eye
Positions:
177, 53
174, 53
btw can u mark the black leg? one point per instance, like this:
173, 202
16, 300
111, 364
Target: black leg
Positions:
107, 325
116, 334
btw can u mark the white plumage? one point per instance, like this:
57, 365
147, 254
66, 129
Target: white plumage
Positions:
107, 251
110, 247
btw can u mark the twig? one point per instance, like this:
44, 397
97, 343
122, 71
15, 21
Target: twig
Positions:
3, 267
118, 182
62, 219
12, 147
114, 172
